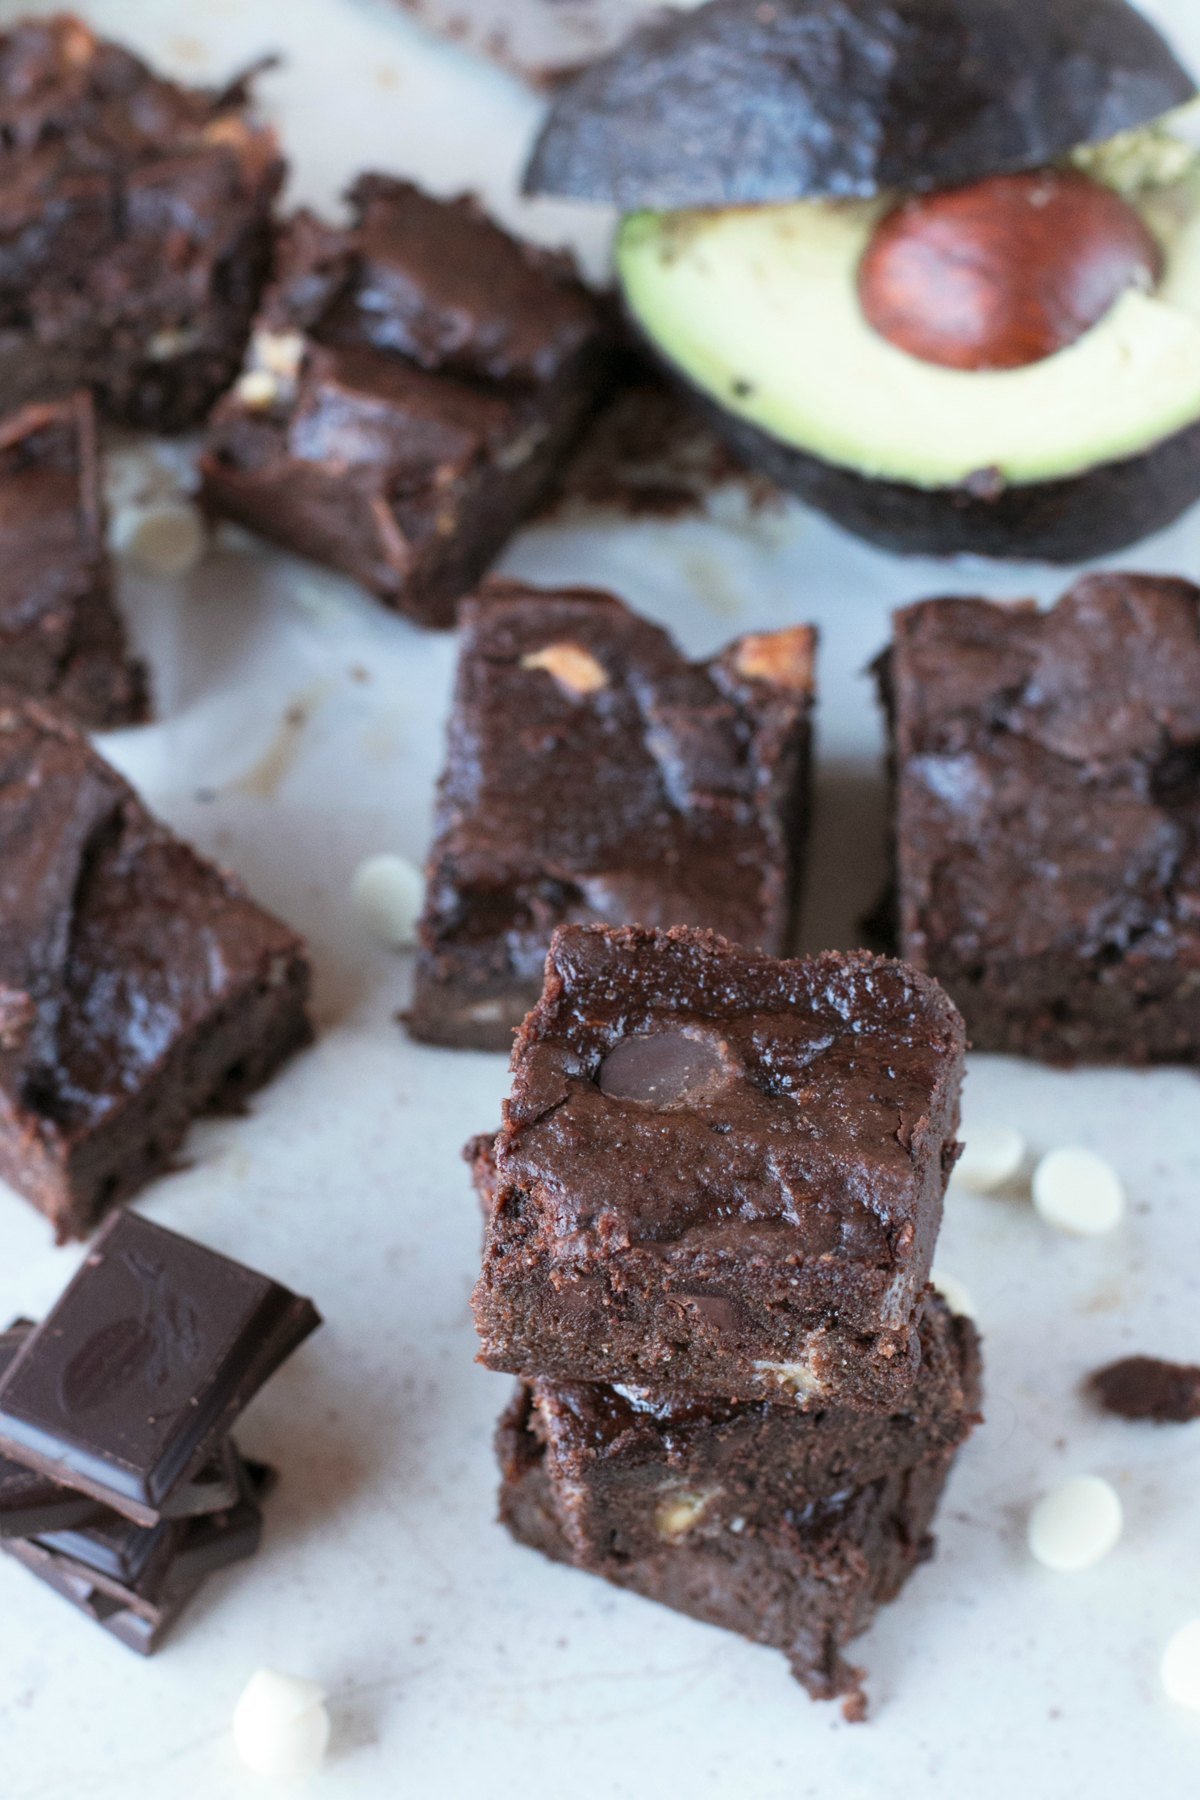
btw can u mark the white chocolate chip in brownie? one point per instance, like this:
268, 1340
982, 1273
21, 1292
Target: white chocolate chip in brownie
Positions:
573, 667
678, 1512
281, 1726
992, 1156
280, 353
799, 1378
172, 341
784, 658
1076, 1524
257, 389
1180, 1667
1075, 1190
388, 895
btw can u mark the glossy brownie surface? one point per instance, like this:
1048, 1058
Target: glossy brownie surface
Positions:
61, 638
593, 774
1047, 772
634, 1468
136, 221
414, 382
139, 984
720, 1172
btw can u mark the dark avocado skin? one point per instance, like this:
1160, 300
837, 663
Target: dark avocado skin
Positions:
746, 102
1096, 513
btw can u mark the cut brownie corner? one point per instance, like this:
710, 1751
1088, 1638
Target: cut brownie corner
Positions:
62, 639
109, 921
642, 786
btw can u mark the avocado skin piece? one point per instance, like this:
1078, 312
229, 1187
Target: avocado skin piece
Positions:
742, 103
1092, 514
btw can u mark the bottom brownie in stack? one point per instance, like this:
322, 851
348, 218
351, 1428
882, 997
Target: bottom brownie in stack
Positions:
788, 1527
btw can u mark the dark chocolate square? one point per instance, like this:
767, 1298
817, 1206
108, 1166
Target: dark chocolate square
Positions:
137, 219
1047, 816
593, 774
139, 985
61, 637
720, 1172
152, 1351
414, 384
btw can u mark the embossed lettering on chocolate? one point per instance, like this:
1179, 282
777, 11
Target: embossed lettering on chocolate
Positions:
151, 1353
139, 985
755, 1218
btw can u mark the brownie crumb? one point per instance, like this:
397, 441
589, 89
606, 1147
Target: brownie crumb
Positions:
1146, 1387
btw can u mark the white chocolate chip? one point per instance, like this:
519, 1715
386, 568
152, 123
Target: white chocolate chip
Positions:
257, 389
388, 895
992, 1156
281, 1726
782, 658
955, 1293
1180, 1666
169, 343
1076, 1190
573, 667
1076, 1524
677, 1514
797, 1377
167, 539
280, 353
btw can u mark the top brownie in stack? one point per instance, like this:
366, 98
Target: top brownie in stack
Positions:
1047, 816
414, 383
721, 1173
134, 228
593, 774
61, 637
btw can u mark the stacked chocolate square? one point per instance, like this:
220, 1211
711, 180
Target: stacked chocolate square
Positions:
711, 1216
120, 1485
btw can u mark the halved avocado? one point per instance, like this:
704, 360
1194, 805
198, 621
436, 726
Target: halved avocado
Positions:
838, 109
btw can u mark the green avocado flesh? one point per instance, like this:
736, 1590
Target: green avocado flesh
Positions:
758, 307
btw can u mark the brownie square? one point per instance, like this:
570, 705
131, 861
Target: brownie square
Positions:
633, 1469
1047, 816
139, 985
414, 384
594, 775
135, 219
807, 1584
61, 638
719, 1172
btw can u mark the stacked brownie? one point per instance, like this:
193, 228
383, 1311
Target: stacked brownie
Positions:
710, 1218
139, 984
414, 384
594, 775
120, 1485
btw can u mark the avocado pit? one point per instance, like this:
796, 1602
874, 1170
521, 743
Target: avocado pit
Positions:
1005, 272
